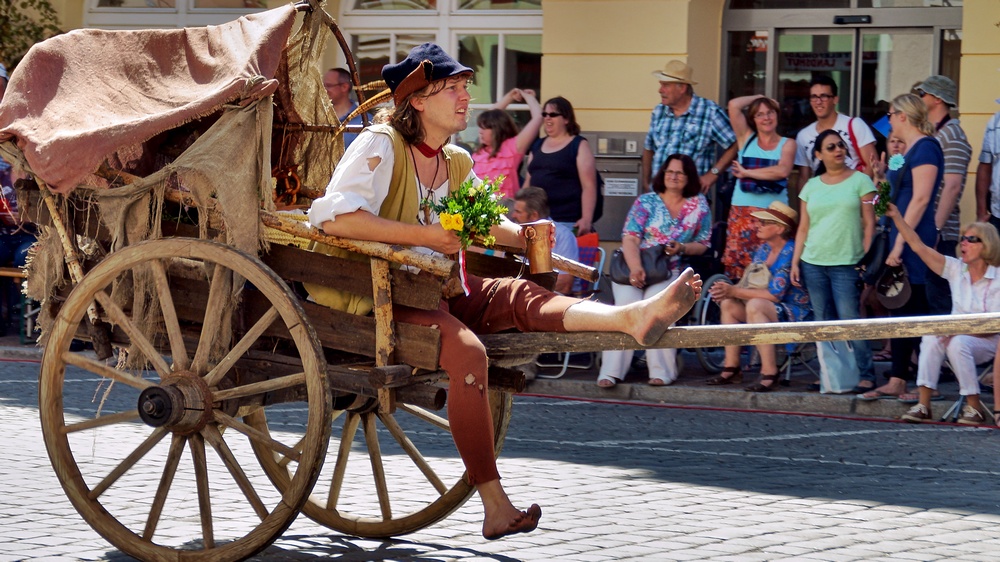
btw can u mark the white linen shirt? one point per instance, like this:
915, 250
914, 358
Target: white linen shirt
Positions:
968, 297
356, 186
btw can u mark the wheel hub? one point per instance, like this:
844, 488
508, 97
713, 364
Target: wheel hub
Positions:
182, 403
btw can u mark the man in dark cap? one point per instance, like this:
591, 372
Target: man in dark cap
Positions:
376, 193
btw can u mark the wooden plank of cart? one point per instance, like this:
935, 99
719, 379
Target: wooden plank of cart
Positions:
218, 402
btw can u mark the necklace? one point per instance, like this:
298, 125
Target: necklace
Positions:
427, 151
425, 200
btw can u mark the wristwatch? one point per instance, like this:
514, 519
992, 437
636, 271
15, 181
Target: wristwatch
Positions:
714, 170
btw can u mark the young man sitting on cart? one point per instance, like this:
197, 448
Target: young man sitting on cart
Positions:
376, 193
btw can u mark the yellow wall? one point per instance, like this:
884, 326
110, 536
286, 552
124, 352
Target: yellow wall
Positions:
600, 54
980, 84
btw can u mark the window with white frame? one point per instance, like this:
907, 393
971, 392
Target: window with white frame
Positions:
500, 39
138, 14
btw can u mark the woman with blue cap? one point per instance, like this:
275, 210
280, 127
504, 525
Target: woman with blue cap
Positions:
377, 193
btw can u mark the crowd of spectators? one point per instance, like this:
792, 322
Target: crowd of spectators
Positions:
819, 185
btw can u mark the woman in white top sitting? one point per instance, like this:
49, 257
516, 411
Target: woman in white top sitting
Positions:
974, 289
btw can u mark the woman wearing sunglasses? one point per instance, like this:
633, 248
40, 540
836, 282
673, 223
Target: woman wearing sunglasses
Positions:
975, 288
915, 178
562, 164
835, 230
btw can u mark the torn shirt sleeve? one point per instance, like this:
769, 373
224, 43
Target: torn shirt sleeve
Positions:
360, 181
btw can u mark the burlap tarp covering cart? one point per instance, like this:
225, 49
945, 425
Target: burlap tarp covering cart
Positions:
133, 98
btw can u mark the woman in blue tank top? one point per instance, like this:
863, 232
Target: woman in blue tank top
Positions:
563, 165
762, 165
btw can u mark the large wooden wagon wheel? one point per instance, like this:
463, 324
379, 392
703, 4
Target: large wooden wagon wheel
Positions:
398, 474
129, 444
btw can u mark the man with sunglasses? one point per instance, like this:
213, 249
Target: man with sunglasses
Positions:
857, 136
684, 123
939, 94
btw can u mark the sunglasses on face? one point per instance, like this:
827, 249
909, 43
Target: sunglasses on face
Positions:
972, 239
834, 146
546, 114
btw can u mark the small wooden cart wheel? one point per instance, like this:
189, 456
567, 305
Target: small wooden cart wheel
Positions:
155, 458
400, 475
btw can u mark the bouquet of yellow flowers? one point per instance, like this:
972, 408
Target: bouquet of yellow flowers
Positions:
471, 211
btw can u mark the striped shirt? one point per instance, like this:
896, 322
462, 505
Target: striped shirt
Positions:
695, 133
957, 154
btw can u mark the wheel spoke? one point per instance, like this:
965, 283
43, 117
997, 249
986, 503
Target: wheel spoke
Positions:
214, 309
397, 433
169, 470
261, 387
102, 421
197, 444
129, 461
100, 368
428, 417
135, 335
343, 454
259, 436
378, 471
215, 439
241, 347
178, 351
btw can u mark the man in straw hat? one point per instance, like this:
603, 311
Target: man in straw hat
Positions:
687, 124
375, 194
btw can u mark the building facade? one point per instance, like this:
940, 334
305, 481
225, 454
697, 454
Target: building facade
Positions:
599, 53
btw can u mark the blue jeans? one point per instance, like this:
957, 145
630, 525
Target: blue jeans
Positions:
834, 294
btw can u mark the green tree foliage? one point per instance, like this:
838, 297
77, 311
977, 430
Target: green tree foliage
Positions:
22, 24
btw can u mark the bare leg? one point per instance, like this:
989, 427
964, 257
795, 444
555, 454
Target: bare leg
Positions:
645, 320
501, 518
732, 311
761, 311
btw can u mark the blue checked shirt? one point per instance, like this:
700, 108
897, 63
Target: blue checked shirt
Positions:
705, 124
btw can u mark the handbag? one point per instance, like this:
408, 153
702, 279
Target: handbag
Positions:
654, 261
750, 185
838, 370
755, 276
871, 266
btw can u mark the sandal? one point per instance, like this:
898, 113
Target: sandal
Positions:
607, 382
735, 377
759, 386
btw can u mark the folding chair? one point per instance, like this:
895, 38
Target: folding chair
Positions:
955, 410
592, 254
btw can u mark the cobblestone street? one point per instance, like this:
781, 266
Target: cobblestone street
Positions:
618, 482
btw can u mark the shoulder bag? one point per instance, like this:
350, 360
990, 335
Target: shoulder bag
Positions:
872, 265
750, 185
755, 276
655, 262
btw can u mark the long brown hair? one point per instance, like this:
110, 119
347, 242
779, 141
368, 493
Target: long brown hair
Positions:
502, 125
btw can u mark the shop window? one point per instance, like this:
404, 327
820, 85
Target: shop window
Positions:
500, 4
373, 51
395, 4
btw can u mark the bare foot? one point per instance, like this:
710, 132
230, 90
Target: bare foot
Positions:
522, 522
650, 318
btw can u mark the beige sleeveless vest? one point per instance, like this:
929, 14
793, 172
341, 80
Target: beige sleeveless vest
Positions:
401, 204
